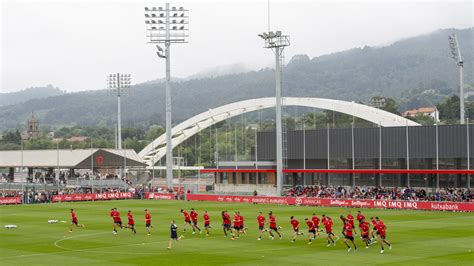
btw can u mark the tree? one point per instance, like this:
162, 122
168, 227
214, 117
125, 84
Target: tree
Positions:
386, 104
449, 109
154, 132
12, 137
470, 111
425, 120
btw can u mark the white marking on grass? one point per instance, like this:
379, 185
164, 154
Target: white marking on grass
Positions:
10, 214
50, 253
95, 250
56, 243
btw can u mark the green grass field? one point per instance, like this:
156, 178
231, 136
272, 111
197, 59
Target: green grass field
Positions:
418, 237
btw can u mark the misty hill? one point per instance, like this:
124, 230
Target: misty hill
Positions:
220, 71
415, 71
9, 98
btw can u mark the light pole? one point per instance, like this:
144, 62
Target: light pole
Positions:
167, 25
277, 42
456, 53
118, 82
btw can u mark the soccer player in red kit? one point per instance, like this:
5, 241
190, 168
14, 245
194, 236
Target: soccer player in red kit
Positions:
311, 230
316, 221
112, 213
328, 223
207, 222
382, 232
74, 221
226, 223
131, 222
148, 221
350, 219
236, 228
373, 239
295, 223
323, 219
273, 225
194, 218
187, 219
261, 225
349, 236
360, 217
243, 229
117, 220
344, 220
364, 232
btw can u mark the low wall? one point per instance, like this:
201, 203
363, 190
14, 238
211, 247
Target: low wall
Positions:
385, 204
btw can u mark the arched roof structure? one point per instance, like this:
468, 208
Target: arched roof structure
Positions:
157, 149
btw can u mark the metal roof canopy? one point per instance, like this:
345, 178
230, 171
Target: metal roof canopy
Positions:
69, 158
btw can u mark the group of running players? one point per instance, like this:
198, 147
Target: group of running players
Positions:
115, 214
234, 227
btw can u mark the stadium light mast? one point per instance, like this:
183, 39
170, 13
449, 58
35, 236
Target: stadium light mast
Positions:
167, 25
456, 54
119, 82
277, 42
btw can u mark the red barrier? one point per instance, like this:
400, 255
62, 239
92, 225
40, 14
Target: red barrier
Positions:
165, 196
388, 204
230, 170
384, 171
346, 171
86, 197
10, 200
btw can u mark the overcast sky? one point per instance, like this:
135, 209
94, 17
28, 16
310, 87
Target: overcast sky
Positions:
74, 44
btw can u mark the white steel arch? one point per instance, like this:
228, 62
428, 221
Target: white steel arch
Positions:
154, 151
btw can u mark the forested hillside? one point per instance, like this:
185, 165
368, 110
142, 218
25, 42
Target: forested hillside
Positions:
415, 72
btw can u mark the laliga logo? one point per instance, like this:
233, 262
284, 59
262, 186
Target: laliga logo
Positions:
298, 201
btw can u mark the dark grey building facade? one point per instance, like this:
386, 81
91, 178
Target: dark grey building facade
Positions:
414, 147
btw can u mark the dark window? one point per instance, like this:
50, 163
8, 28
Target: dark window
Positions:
252, 178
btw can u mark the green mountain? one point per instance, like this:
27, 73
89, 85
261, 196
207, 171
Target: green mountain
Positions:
9, 98
415, 71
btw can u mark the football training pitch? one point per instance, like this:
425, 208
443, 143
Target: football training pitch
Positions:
418, 237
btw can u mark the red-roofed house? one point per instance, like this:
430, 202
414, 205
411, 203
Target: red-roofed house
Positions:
428, 111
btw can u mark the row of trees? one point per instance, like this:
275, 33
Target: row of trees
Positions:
229, 140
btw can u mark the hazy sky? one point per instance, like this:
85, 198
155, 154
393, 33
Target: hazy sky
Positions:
75, 44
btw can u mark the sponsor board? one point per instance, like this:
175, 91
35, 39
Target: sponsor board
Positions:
360, 203
164, 196
88, 197
10, 200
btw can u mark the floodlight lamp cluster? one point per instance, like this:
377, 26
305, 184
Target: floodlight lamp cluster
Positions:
164, 24
275, 39
270, 34
160, 52
118, 81
455, 52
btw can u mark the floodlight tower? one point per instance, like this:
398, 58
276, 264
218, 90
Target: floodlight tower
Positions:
456, 53
277, 42
167, 25
118, 82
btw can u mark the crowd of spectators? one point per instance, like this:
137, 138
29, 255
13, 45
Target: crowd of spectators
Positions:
30, 197
330, 192
380, 193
